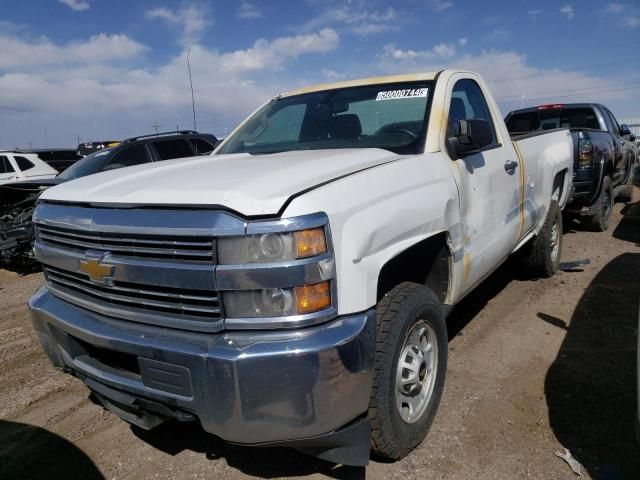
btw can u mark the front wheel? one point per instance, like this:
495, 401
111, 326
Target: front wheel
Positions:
410, 365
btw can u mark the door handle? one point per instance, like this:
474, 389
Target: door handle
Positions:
510, 166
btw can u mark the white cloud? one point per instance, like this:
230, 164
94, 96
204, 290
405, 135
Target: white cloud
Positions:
15, 52
77, 5
628, 16
441, 50
191, 19
331, 74
96, 90
356, 19
498, 34
439, 5
444, 50
265, 54
249, 11
533, 14
568, 11
462, 41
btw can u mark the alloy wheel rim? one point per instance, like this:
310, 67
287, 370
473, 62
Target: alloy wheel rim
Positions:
416, 372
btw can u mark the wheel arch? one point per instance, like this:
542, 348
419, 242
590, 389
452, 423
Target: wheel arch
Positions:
428, 262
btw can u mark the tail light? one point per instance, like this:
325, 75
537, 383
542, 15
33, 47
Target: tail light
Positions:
585, 153
551, 106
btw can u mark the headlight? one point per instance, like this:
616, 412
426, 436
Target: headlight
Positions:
277, 302
272, 247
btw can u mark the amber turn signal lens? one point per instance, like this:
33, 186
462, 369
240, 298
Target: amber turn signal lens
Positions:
310, 243
311, 298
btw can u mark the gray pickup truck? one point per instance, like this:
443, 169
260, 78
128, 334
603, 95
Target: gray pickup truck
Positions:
604, 154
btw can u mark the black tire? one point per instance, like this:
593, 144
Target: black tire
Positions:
406, 306
538, 256
626, 194
603, 208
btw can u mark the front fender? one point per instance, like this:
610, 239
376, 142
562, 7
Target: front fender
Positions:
378, 213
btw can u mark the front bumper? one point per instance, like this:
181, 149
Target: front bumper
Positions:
245, 387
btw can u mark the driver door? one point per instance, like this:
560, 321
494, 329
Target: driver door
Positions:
488, 185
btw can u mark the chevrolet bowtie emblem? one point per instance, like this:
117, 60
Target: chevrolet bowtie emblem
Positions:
97, 270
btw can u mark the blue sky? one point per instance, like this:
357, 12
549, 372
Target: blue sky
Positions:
108, 69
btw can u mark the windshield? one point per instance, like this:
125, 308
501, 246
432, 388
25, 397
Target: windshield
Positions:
389, 116
93, 163
548, 119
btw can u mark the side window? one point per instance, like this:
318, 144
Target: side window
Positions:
168, 149
128, 157
202, 147
614, 122
23, 163
468, 102
5, 165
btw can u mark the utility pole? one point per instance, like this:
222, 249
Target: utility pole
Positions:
156, 126
78, 139
46, 138
521, 101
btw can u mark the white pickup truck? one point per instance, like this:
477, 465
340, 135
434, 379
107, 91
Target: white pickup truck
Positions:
292, 288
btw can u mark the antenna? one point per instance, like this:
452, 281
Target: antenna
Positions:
193, 101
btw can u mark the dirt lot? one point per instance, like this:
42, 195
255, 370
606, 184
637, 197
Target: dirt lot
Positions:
534, 366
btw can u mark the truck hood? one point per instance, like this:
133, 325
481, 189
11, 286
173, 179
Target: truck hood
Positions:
249, 184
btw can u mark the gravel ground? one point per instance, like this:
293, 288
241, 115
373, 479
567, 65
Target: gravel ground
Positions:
534, 366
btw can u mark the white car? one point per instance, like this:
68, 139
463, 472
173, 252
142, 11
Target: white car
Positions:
16, 166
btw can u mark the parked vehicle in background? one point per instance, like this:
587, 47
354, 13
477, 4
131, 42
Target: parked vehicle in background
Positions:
15, 166
87, 148
292, 290
58, 158
17, 200
604, 154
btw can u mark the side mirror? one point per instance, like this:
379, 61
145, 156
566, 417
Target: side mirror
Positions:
470, 136
624, 130
632, 138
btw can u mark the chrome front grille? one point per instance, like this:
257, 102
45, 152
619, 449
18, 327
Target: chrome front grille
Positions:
147, 265
203, 304
178, 247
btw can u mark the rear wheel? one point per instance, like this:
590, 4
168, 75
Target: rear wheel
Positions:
542, 254
410, 365
603, 207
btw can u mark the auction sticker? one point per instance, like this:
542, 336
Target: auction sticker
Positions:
405, 93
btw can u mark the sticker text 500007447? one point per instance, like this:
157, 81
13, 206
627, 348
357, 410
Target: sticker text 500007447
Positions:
405, 93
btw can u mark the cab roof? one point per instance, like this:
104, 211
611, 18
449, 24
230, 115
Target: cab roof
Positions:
410, 77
